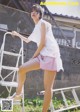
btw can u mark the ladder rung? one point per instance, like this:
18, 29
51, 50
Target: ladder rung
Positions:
75, 96
11, 53
10, 68
64, 98
14, 103
7, 83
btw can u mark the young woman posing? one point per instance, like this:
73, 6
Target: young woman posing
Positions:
46, 57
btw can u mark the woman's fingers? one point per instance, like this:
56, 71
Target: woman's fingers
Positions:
14, 33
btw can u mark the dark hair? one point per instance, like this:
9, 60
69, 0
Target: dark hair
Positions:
39, 9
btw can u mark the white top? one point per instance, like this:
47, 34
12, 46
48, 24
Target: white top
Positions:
51, 47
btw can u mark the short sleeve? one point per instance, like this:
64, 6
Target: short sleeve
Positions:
36, 34
32, 37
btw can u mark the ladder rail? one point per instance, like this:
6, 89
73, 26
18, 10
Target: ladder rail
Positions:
8, 67
58, 90
14, 69
52, 106
63, 109
16, 65
2, 48
63, 91
23, 85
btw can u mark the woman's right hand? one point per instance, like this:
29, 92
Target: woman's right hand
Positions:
14, 33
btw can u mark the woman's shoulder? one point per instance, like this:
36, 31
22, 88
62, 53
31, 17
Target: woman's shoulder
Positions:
42, 20
45, 22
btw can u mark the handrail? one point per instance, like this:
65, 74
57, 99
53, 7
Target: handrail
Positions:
60, 89
8, 30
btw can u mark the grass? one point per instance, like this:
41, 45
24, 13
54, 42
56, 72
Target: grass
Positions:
35, 105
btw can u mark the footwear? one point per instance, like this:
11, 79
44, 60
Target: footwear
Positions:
16, 97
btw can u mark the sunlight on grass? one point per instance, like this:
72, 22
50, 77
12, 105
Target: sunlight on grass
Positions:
35, 105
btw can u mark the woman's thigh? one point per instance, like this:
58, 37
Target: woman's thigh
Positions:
30, 65
49, 77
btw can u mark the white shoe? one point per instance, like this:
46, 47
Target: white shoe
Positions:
16, 97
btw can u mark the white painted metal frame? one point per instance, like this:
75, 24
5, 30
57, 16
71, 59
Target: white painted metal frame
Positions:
62, 91
13, 70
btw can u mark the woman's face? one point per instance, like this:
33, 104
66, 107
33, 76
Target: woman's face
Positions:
35, 15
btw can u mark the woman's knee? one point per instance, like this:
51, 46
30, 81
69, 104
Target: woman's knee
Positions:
21, 70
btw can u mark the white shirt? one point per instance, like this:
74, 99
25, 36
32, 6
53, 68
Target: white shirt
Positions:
51, 47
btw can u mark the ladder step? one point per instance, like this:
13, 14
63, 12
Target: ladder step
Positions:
64, 98
75, 96
7, 83
11, 53
14, 103
10, 68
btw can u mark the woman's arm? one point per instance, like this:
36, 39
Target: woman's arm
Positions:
42, 41
20, 36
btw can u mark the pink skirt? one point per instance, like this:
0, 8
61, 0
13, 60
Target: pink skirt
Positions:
50, 63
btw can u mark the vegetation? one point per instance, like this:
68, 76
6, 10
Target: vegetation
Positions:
35, 105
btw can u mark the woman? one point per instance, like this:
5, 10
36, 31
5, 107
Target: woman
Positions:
46, 57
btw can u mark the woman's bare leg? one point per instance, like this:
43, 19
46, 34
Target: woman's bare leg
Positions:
26, 67
49, 77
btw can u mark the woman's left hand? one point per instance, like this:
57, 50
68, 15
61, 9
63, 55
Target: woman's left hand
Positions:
14, 33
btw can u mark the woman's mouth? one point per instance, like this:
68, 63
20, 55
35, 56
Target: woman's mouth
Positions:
33, 15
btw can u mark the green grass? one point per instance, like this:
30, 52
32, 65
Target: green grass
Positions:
35, 105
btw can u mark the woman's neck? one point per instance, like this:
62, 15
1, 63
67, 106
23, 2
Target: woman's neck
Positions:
36, 21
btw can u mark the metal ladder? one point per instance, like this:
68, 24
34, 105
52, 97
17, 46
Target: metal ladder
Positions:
62, 91
13, 71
